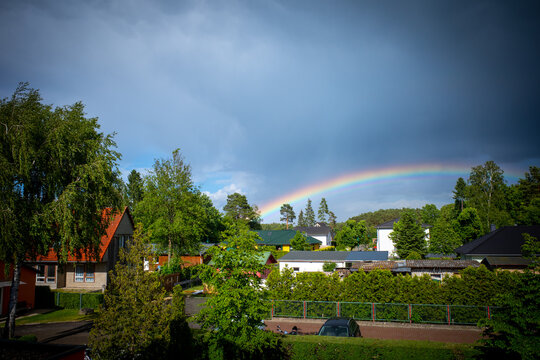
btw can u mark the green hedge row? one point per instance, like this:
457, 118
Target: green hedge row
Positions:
323, 348
474, 286
78, 300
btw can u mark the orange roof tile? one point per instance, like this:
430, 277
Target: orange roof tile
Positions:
105, 239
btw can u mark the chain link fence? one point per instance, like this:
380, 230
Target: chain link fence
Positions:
411, 313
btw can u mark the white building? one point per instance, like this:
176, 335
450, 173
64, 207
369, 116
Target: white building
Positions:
313, 261
384, 243
319, 231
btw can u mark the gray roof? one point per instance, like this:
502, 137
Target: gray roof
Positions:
505, 241
320, 228
314, 256
348, 256
440, 264
367, 256
516, 261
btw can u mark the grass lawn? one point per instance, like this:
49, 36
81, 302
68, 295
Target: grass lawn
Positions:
55, 316
335, 348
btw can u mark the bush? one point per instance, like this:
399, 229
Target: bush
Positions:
413, 255
44, 297
329, 266
77, 300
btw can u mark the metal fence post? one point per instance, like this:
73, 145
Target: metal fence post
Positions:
338, 310
57, 299
80, 301
448, 313
488, 313
410, 313
373, 311
272, 316
305, 309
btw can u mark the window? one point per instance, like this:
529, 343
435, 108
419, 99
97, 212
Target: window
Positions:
51, 274
46, 274
85, 273
121, 241
436, 277
40, 276
296, 269
79, 273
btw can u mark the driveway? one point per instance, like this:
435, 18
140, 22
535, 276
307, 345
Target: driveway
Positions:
72, 332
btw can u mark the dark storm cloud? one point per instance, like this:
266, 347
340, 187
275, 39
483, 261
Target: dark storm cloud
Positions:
271, 96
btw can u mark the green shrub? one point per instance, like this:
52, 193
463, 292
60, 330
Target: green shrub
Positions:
413, 255
328, 266
77, 300
28, 338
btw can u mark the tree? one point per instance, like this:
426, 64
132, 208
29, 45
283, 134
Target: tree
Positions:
323, 210
528, 197
329, 266
513, 332
239, 209
352, 234
332, 220
468, 225
287, 214
135, 320
429, 214
236, 310
173, 210
134, 188
408, 236
58, 173
460, 194
443, 238
301, 219
486, 192
299, 241
309, 216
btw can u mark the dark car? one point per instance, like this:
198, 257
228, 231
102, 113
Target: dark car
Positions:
345, 327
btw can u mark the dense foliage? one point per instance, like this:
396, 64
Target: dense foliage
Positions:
287, 214
58, 173
408, 236
135, 320
351, 235
299, 242
235, 312
239, 210
475, 286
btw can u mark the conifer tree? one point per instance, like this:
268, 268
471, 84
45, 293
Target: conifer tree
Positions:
301, 219
408, 236
310, 214
323, 211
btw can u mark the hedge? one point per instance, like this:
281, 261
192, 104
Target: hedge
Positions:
474, 286
78, 300
323, 348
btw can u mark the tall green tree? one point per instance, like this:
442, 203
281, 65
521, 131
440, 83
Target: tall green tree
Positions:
301, 219
57, 174
468, 225
309, 215
173, 210
239, 209
135, 321
134, 188
236, 310
443, 238
486, 192
528, 198
352, 234
332, 220
429, 214
408, 236
323, 211
460, 194
299, 242
287, 214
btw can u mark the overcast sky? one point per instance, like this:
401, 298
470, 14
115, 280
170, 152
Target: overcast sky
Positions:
266, 97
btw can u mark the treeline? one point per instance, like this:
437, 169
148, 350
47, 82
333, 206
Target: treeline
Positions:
475, 286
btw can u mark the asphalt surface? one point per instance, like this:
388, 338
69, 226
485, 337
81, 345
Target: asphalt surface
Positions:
76, 332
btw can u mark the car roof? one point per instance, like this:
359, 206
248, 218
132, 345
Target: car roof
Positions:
341, 321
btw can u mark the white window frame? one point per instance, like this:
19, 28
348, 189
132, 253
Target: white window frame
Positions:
79, 276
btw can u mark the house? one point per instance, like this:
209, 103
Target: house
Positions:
436, 269
503, 242
27, 287
266, 258
312, 261
319, 231
384, 243
281, 239
82, 271
510, 263
187, 260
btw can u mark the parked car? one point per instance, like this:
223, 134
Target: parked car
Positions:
341, 326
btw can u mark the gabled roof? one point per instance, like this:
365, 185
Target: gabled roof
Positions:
440, 264
320, 228
314, 256
514, 261
105, 239
348, 256
281, 237
505, 241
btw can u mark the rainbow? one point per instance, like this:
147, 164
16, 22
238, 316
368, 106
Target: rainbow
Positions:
364, 178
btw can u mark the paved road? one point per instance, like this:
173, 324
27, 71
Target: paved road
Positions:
395, 331
76, 333
73, 332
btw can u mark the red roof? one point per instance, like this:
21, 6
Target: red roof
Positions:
105, 239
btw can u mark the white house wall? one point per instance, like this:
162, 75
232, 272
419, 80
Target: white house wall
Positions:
384, 243
305, 266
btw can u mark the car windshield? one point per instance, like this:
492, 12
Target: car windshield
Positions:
329, 330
